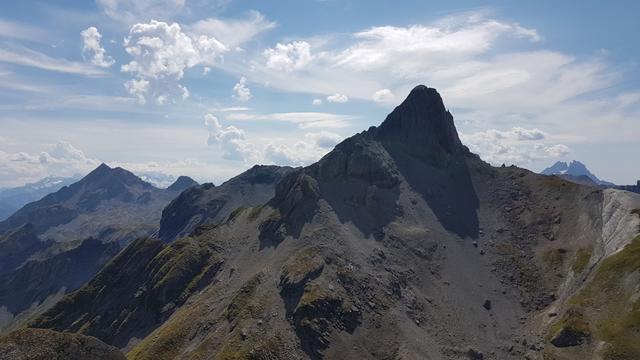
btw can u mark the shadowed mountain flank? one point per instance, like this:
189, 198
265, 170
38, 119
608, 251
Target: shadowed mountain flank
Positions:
35, 280
421, 138
361, 178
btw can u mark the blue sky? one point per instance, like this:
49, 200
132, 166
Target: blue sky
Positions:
208, 88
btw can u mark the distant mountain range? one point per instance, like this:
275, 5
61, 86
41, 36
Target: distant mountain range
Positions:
12, 199
55, 244
577, 172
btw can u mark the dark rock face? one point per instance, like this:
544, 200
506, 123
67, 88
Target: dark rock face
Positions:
423, 126
567, 337
417, 143
41, 344
210, 204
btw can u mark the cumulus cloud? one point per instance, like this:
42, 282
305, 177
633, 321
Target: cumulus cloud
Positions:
91, 48
138, 88
233, 32
288, 57
338, 98
241, 91
383, 95
324, 139
304, 152
59, 159
317, 102
229, 139
162, 52
518, 146
185, 92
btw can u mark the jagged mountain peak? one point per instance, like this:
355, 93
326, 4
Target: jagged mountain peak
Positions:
182, 183
422, 123
573, 170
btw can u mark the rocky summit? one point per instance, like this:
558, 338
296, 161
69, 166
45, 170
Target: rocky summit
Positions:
398, 244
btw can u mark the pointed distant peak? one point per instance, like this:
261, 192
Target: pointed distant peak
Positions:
423, 124
182, 183
102, 168
105, 174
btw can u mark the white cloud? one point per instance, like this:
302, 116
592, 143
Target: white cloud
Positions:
301, 153
383, 95
27, 57
337, 98
518, 146
317, 102
324, 139
185, 92
14, 30
59, 159
486, 70
141, 10
162, 52
229, 139
91, 48
138, 88
288, 57
302, 119
242, 92
206, 70
160, 100
233, 32
9, 81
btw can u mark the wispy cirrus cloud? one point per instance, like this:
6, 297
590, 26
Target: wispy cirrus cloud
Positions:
302, 119
18, 31
233, 32
26, 57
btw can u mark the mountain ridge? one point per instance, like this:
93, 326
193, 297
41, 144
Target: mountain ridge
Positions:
380, 250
